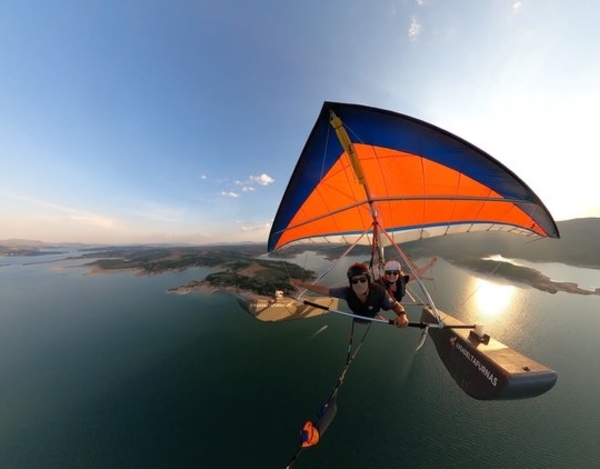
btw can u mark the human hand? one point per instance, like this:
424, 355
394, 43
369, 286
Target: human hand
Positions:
401, 321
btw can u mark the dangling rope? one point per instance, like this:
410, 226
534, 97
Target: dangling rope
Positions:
312, 432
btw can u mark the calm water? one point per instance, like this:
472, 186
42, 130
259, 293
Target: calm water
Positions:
110, 371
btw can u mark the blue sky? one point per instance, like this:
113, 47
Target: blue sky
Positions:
155, 121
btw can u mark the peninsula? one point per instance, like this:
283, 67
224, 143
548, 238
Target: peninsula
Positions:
235, 268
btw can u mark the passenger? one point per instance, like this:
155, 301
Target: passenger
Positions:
364, 297
394, 280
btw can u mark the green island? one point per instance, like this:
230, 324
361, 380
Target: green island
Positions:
520, 275
237, 268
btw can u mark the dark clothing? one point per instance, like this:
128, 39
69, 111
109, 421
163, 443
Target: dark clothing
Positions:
377, 299
400, 286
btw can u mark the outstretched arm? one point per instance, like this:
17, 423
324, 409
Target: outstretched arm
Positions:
421, 270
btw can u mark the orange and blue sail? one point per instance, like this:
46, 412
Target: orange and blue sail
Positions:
418, 181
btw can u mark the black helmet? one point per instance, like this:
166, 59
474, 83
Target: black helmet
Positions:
358, 269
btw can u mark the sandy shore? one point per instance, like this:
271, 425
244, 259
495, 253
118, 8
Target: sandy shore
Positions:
202, 287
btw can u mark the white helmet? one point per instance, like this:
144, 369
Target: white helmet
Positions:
392, 265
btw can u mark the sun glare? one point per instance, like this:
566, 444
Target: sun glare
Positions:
492, 299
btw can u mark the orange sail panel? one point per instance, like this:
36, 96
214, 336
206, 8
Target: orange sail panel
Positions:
422, 181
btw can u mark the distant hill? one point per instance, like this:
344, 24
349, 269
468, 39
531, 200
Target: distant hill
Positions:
29, 247
21, 243
579, 245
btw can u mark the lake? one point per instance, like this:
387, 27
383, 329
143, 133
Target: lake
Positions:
111, 371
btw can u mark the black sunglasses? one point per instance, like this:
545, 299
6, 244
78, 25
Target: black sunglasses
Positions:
354, 281
392, 272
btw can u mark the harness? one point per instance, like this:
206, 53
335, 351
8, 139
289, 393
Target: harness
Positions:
370, 307
400, 287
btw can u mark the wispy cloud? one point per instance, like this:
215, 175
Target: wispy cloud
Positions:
254, 226
78, 216
157, 211
230, 194
100, 222
414, 29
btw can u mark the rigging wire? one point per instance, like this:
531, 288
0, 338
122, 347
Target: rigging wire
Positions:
312, 432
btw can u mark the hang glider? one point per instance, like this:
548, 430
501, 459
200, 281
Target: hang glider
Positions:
371, 176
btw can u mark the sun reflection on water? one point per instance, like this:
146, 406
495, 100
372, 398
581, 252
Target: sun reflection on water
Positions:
492, 299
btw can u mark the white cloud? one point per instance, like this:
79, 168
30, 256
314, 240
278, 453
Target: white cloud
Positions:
263, 179
230, 194
203, 176
414, 29
516, 8
248, 185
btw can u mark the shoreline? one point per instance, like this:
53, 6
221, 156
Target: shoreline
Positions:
201, 286
535, 279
